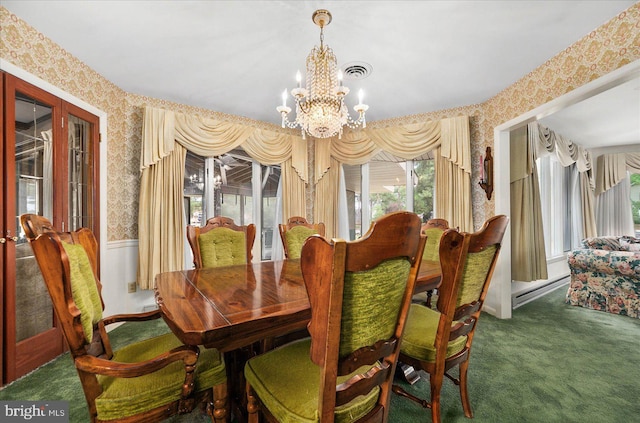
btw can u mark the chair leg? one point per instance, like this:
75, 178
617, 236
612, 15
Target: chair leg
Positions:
464, 392
436, 386
253, 407
429, 295
219, 410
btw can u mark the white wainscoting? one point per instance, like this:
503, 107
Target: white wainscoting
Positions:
118, 267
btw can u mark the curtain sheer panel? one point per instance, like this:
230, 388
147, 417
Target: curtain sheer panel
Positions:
613, 203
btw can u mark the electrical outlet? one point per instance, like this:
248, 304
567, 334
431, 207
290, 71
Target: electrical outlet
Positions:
132, 287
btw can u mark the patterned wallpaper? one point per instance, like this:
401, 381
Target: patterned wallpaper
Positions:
605, 49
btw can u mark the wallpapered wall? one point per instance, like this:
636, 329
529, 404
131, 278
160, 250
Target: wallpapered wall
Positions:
605, 49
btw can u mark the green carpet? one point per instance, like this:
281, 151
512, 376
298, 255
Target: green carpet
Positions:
550, 363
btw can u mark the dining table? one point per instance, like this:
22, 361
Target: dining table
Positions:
231, 307
242, 309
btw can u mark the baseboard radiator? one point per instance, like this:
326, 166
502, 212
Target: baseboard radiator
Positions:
525, 297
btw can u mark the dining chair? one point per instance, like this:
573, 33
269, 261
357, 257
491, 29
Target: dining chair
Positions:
295, 232
359, 292
220, 242
436, 341
433, 229
148, 380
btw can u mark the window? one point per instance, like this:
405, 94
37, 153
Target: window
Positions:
224, 186
635, 202
555, 198
384, 185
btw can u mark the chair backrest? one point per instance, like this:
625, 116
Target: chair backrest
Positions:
360, 292
220, 242
467, 262
69, 263
295, 232
433, 229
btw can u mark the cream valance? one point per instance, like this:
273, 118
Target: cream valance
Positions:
548, 141
404, 141
210, 137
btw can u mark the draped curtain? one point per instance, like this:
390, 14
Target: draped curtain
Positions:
613, 213
166, 137
528, 255
450, 136
527, 247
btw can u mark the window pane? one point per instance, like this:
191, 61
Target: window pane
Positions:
194, 183
635, 202
424, 182
353, 184
80, 173
270, 180
233, 173
387, 185
553, 184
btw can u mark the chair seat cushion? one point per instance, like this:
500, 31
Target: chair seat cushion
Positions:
420, 335
123, 397
288, 384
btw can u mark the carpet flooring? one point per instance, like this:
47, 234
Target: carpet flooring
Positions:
550, 363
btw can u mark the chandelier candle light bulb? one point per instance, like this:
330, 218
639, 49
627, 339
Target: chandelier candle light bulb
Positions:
320, 108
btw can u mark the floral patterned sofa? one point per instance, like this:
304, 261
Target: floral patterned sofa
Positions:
605, 275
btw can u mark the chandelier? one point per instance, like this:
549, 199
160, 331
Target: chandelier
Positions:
320, 108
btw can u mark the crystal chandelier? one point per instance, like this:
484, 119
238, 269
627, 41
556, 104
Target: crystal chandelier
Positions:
320, 108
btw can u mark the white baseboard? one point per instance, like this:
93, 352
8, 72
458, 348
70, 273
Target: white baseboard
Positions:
528, 296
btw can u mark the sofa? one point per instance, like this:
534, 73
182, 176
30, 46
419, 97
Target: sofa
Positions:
605, 275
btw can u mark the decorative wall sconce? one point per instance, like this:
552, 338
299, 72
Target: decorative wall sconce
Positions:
486, 173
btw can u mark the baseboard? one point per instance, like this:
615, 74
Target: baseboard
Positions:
525, 297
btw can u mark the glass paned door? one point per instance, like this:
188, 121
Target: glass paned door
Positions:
34, 194
49, 157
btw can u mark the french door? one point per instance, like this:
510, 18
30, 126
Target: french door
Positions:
50, 168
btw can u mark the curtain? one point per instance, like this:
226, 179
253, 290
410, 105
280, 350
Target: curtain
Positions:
546, 141
453, 175
166, 136
326, 199
528, 255
160, 218
613, 204
613, 211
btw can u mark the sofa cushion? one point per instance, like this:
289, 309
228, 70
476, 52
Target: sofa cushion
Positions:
609, 243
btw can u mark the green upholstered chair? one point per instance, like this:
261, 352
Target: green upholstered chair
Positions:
220, 242
295, 232
433, 229
438, 340
148, 380
359, 294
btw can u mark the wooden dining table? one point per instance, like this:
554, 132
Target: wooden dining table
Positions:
232, 307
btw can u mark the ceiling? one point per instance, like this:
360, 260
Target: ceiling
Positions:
237, 57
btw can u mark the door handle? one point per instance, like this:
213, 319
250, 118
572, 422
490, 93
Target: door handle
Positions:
9, 238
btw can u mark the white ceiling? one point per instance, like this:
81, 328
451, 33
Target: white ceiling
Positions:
237, 57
